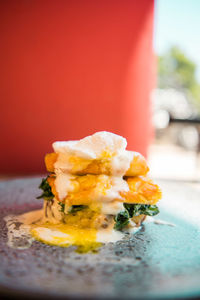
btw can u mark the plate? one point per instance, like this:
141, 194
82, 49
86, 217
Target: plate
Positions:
159, 261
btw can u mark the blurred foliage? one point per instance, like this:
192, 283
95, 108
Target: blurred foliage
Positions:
177, 71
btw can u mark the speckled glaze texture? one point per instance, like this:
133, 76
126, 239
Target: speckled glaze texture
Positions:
159, 261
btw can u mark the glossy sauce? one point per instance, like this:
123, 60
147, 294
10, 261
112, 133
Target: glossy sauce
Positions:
24, 229
86, 229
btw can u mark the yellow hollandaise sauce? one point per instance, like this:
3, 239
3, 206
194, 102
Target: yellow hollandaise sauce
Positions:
88, 196
78, 229
67, 235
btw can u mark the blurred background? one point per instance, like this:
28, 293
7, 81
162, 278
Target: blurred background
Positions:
174, 153
70, 68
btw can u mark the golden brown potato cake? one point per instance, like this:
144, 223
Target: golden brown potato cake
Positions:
138, 165
141, 190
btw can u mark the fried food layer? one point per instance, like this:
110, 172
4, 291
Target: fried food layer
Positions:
138, 165
141, 190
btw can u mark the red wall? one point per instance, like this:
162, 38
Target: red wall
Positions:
70, 68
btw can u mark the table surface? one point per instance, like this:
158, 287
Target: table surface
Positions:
159, 261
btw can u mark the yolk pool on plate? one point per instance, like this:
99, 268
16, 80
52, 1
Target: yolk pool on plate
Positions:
66, 235
78, 230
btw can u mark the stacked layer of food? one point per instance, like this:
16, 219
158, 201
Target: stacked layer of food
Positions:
95, 189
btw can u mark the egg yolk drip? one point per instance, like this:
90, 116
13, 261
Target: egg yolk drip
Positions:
78, 229
91, 194
93, 174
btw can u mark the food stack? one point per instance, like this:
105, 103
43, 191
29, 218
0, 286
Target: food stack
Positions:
96, 183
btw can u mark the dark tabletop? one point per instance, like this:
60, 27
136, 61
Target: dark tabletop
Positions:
159, 261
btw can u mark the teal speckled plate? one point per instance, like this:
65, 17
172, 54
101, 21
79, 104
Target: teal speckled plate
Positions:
159, 261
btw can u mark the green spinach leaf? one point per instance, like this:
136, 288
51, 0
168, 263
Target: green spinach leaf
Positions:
131, 210
47, 193
141, 209
121, 220
62, 206
76, 208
